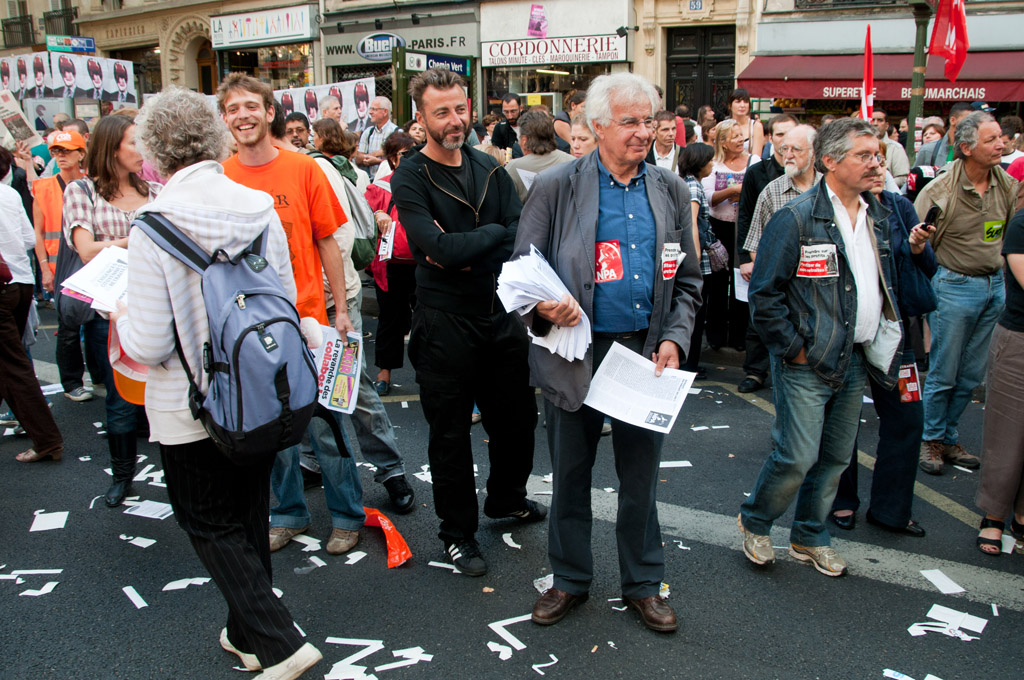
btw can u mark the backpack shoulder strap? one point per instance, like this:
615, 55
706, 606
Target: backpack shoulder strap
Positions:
259, 245
171, 239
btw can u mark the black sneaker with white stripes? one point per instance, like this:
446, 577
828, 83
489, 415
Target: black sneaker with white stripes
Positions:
529, 511
466, 557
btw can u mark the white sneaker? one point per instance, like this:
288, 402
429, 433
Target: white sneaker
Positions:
250, 661
294, 666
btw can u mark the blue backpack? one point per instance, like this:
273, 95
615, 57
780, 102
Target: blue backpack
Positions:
263, 383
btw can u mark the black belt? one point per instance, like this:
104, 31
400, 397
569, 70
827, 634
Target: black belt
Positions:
620, 336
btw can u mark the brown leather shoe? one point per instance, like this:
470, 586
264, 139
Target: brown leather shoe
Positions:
554, 604
655, 612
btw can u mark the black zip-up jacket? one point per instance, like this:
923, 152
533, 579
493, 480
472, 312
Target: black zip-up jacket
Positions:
466, 241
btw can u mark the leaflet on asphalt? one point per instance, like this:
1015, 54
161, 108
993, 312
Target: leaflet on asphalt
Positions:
337, 364
625, 388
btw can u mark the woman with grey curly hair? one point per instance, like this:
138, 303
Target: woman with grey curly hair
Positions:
178, 128
222, 506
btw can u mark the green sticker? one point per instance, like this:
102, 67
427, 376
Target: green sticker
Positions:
994, 230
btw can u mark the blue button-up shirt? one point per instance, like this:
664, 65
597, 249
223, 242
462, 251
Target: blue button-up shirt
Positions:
624, 258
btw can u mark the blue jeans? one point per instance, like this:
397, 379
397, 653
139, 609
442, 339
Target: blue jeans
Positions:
121, 415
373, 428
969, 307
814, 433
342, 489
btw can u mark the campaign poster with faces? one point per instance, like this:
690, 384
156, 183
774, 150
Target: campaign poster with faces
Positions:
354, 95
78, 76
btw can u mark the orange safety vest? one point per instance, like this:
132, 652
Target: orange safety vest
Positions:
50, 199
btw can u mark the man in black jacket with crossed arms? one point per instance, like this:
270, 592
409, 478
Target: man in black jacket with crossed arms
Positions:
460, 211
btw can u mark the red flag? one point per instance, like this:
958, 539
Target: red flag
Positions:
949, 36
867, 85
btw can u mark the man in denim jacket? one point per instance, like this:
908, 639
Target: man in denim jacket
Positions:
821, 298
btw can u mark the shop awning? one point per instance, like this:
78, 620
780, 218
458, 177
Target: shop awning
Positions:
986, 76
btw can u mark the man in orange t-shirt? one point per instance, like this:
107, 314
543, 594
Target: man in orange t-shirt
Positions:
303, 198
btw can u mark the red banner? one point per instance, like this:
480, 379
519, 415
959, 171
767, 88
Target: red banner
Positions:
867, 88
949, 36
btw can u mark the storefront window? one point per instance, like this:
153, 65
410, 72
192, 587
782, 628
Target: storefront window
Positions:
551, 80
281, 66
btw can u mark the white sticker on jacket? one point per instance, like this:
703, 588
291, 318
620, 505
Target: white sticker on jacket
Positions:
671, 256
818, 262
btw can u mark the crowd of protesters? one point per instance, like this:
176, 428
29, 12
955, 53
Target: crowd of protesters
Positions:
857, 267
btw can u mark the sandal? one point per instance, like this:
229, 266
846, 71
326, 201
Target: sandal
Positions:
997, 543
33, 456
1017, 529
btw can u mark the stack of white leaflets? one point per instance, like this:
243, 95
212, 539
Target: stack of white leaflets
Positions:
103, 281
530, 279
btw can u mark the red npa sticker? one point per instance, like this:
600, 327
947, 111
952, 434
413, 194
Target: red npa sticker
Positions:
671, 255
608, 261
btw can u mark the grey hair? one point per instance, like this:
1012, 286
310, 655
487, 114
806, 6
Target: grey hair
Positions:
836, 139
327, 100
178, 128
809, 132
386, 101
967, 132
624, 88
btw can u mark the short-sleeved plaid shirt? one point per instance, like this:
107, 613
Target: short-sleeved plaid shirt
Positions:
703, 211
90, 211
776, 194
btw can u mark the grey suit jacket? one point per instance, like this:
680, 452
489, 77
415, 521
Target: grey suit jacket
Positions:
560, 219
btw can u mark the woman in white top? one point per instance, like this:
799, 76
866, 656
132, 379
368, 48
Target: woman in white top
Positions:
726, 318
739, 111
223, 506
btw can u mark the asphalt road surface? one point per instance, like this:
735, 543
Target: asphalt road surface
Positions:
419, 621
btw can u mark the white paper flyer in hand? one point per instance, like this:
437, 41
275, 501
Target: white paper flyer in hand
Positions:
103, 281
741, 286
530, 279
337, 365
625, 388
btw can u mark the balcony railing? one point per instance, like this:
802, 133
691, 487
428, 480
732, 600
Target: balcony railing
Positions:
842, 4
18, 31
61, 21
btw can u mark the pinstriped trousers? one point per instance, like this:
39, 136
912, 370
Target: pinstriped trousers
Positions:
224, 508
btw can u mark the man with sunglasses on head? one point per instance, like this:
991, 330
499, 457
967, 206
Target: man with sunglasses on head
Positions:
821, 297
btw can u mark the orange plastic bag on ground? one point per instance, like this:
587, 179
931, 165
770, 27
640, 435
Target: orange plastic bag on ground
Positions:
398, 549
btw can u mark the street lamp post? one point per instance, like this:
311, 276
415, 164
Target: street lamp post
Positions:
922, 12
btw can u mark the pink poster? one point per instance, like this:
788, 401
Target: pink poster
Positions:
538, 22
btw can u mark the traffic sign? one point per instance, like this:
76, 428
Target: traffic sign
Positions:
421, 61
70, 43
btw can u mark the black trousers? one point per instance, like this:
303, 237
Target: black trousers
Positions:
727, 317
900, 425
697, 336
18, 384
756, 363
396, 305
573, 437
462, 359
69, 358
224, 509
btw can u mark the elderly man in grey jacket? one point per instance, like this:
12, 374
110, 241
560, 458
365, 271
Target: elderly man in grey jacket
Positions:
618, 233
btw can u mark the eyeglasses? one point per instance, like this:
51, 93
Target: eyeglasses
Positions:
866, 157
794, 149
631, 123
377, 108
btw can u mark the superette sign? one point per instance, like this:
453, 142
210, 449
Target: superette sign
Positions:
579, 49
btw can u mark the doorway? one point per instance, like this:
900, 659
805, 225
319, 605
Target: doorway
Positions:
206, 65
701, 66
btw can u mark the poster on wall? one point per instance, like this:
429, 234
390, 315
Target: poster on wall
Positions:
354, 95
40, 112
538, 26
76, 76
